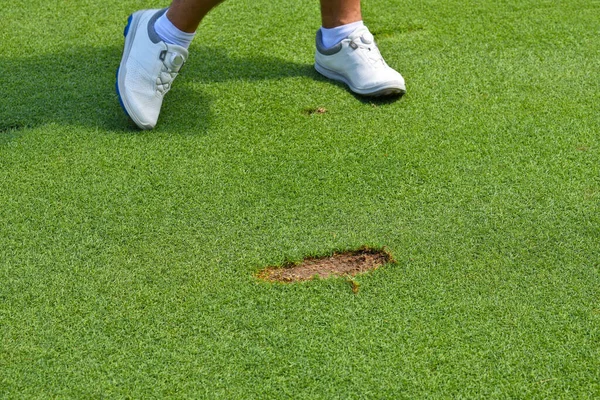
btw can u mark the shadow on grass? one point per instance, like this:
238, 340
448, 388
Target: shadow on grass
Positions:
76, 87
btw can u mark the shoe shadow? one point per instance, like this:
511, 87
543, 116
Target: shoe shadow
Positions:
76, 87
223, 67
208, 64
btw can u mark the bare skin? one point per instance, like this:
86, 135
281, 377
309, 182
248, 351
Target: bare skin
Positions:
187, 14
335, 13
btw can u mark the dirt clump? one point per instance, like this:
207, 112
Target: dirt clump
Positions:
313, 111
348, 263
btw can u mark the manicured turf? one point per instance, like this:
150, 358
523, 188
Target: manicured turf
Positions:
127, 258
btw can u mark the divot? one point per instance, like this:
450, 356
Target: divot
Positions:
348, 263
313, 111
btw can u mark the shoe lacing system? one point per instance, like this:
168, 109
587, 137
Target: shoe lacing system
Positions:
171, 65
362, 39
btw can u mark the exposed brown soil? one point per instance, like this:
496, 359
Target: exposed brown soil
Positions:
318, 110
339, 264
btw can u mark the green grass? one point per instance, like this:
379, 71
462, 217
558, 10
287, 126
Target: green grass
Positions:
127, 258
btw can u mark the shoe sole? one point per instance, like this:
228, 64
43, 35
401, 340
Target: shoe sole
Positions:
129, 34
385, 89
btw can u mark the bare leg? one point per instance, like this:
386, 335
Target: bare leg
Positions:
187, 14
335, 13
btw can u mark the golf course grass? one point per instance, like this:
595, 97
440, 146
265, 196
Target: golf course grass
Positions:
129, 259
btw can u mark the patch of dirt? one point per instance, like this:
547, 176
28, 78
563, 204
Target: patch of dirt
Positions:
318, 110
348, 263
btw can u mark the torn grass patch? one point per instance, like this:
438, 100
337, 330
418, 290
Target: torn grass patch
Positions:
348, 263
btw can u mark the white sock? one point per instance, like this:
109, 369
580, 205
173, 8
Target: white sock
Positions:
169, 33
333, 36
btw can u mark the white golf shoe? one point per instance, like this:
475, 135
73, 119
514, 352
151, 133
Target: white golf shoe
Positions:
147, 69
357, 62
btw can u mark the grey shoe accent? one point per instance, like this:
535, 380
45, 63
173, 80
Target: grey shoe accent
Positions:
324, 50
151, 32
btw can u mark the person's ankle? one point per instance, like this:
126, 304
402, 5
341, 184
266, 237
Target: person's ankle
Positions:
170, 34
333, 36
